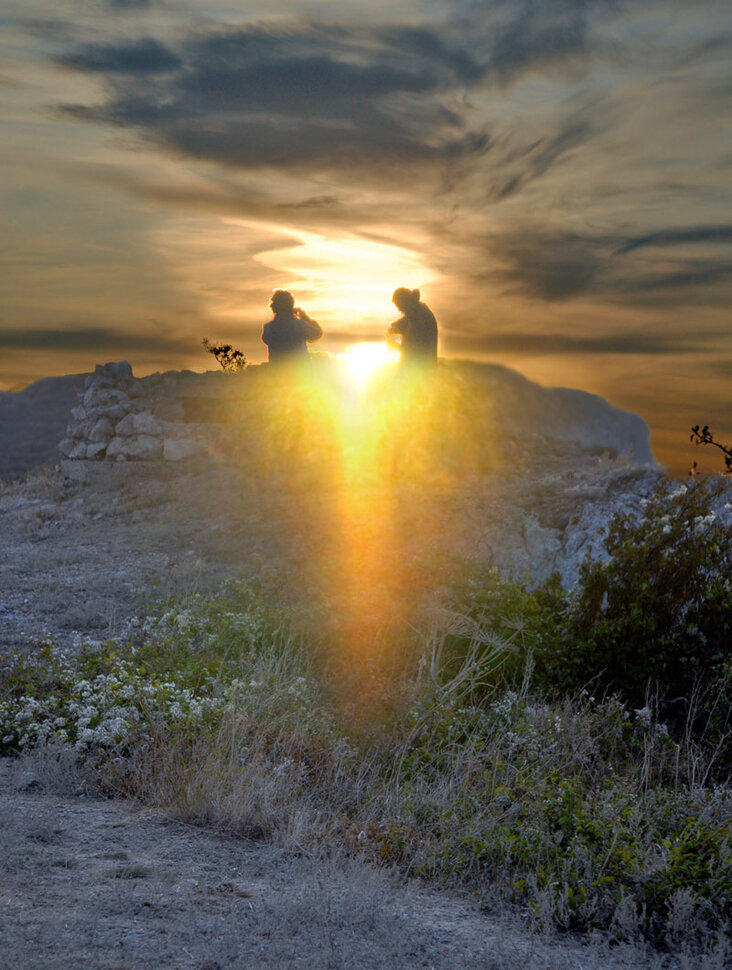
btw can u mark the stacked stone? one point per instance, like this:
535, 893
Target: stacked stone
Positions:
122, 418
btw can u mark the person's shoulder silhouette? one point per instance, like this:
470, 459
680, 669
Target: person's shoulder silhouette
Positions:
290, 330
416, 328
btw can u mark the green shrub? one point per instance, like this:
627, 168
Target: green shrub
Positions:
527, 621
659, 612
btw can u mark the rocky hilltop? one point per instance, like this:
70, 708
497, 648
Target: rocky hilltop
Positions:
32, 422
177, 415
181, 481
572, 459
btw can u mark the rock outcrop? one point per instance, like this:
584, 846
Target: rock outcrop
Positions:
123, 418
569, 459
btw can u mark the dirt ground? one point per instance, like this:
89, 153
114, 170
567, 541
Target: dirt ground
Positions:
80, 558
104, 885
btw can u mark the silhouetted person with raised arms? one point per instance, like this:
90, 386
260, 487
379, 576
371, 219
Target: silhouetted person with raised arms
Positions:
289, 332
417, 328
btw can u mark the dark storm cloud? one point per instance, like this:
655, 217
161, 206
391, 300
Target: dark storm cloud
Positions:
95, 338
558, 266
144, 56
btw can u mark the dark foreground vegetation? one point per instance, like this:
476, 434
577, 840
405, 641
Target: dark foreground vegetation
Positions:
569, 751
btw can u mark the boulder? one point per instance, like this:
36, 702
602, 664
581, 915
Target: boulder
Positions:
100, 397
142, 447
115, 412
138, 424
117, 370
102, 432
79, 429
178, 449
72, 448
96, 451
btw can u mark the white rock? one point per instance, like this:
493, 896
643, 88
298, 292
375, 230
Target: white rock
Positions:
72, 448
119, 370
178, 449
100, 397
103, 431
96, 450
115, 412
115, 448
134, 424
144, 447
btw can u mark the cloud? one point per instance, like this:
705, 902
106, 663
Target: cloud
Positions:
130, 4
543, 344
532, 38
559, 265
289, 98
386, 99
144, 56
95, 338
523, 36
677, 237
519, 167
549, 267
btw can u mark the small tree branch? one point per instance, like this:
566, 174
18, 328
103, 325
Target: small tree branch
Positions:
231, 360
704, 436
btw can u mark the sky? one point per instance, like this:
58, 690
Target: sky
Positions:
554, 175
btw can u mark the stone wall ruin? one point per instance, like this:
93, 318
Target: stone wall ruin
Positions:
163, 417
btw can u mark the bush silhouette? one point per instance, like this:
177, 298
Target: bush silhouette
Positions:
232, 361
704, 436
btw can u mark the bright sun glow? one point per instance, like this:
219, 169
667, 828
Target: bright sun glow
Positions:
345, 280
364, 360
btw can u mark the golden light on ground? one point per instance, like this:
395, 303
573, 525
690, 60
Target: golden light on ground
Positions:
365, 360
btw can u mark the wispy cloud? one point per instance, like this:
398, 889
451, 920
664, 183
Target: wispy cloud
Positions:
92, 339
532, 344
558, 265
677, 237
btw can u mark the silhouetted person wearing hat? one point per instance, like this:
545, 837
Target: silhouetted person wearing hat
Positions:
417, 328
288, 334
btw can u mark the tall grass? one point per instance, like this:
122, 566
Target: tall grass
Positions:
585, 814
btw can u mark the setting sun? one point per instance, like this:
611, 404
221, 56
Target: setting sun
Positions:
363, 360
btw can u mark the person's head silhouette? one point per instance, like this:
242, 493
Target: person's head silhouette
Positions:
404, 299
282, 302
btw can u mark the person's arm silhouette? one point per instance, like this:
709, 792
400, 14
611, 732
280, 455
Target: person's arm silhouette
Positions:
311, 328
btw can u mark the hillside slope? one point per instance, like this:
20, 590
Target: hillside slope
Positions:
32, 422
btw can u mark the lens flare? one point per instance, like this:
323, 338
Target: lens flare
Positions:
365, 360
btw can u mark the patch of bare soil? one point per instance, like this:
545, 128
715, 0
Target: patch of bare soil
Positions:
104, 885
83, 558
